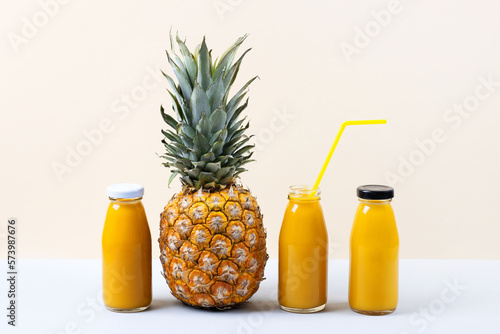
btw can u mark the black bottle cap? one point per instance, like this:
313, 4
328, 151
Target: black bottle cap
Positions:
375, 192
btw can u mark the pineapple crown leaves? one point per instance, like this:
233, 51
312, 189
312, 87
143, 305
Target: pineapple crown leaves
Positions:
206, 144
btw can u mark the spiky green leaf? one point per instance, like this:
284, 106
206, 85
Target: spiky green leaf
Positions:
193, 173
236, 114
228, 180
208, 157
216, 92
172, 137
235, 100
172, 177
199, 104
242, 142
182, 78
206, 178
223, 159
242, 150
233, 131
186, 181
200, 144
227, 57
231, 74
204, 76
218, 120
188, 131
204, 126
168, 119
224, 172
188, 60
212, 167
199, 164
246, 161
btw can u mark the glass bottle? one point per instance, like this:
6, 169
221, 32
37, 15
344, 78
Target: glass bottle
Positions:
126, 251
303, 253
374, 253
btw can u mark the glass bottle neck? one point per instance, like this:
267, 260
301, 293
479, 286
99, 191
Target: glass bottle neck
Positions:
375, 202
125, 200
304, 199
304, 193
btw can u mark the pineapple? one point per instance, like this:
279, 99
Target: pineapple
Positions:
212, 241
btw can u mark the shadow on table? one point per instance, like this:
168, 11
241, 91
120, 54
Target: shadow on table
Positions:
162, 303
258, 305
247, 307
251, 306
273, 305
336, 307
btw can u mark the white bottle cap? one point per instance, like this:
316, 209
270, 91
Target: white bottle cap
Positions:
125, 190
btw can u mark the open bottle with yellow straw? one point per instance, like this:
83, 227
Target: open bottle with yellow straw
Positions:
303, 244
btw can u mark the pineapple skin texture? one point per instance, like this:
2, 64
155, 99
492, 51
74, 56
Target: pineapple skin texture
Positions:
213, 247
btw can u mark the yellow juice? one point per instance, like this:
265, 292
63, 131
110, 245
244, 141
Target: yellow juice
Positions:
373, 282
303, 255
126, 254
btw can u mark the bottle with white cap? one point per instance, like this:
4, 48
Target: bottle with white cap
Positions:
126, 251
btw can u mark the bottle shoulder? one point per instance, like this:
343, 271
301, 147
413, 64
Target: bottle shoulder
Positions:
306, 219
374, 217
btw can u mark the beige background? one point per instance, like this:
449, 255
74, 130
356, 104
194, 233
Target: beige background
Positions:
76, 70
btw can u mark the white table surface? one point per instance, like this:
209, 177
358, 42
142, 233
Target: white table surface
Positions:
56, 296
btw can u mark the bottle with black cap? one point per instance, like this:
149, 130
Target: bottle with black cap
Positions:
374, 253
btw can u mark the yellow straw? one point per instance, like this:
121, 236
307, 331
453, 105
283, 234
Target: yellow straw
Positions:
334, 145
